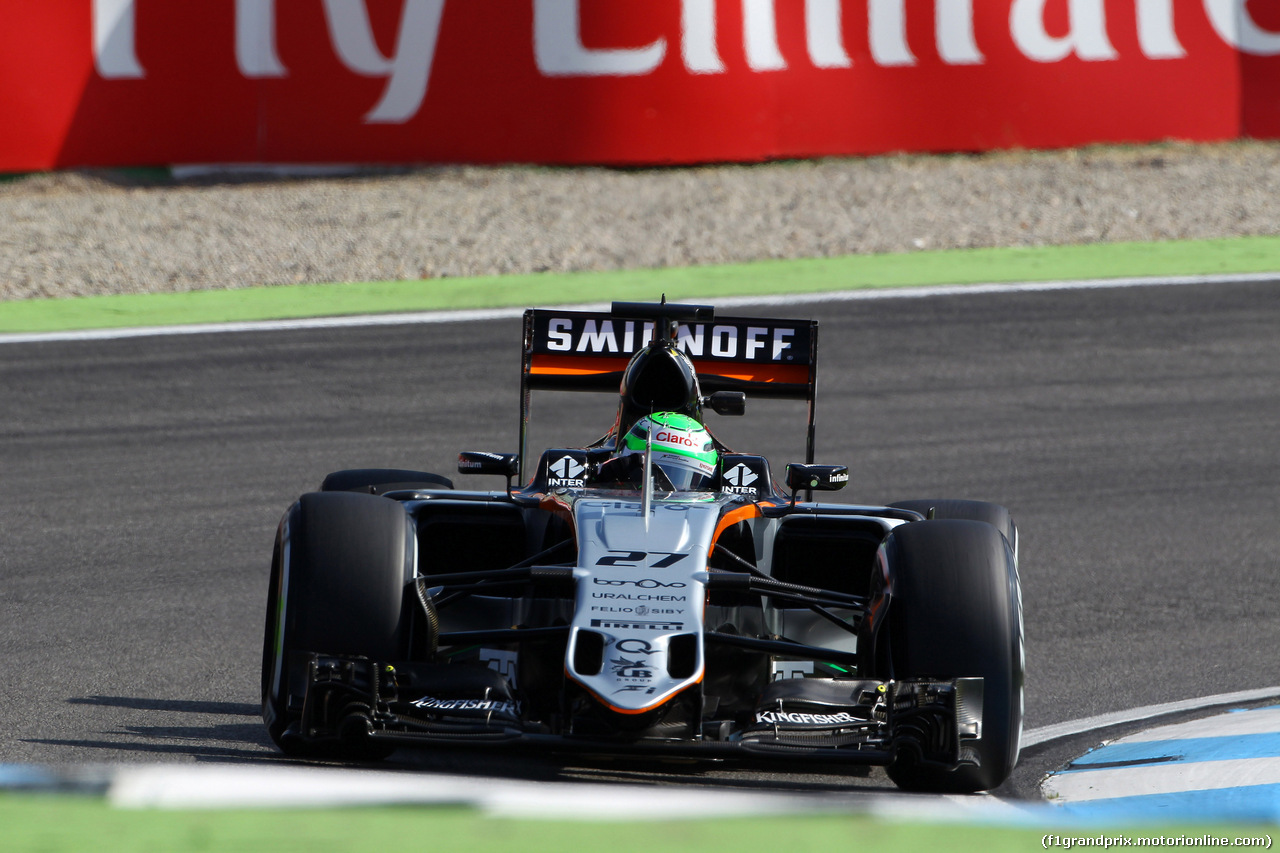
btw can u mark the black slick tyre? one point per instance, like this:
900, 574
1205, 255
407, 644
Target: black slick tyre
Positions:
338, 586
955, 612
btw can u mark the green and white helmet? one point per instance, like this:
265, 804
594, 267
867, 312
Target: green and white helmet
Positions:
682, 449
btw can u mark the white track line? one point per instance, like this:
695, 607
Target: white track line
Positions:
1260, 721
419, 317
229, 786
1072, 728
238, 786
266, 325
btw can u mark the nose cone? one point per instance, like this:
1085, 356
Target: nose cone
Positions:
659, 378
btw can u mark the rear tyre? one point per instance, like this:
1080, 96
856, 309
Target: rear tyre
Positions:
338, 579
380, 480
955, 611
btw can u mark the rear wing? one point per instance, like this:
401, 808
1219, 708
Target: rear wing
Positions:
589, 350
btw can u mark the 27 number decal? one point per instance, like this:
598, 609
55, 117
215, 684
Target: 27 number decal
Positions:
637, 559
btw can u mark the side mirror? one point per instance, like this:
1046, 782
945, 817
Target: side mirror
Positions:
481, 462
822, 478
727, 402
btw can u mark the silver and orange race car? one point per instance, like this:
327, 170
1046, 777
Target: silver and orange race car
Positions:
653, 593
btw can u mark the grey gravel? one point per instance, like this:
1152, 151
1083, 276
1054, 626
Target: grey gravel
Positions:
128, 231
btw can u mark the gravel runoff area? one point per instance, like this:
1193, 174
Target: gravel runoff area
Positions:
127, 231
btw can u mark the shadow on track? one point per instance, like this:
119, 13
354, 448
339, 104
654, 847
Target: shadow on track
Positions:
238, 709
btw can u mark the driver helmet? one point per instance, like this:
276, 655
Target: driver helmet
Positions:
682, 449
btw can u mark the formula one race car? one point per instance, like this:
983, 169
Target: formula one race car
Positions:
654, 593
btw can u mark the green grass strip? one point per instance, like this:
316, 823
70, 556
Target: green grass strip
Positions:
966, 266
50, 824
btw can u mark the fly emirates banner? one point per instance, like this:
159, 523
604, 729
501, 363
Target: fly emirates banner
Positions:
119, 82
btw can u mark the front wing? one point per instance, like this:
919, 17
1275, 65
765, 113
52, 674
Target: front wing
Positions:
357, 703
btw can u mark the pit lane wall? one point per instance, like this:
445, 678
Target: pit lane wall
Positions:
133, 82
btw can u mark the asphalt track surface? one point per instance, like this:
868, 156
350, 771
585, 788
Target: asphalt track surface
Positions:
1132, 431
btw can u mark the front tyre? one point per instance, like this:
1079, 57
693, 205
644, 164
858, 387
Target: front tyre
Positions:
338, 576
955, 611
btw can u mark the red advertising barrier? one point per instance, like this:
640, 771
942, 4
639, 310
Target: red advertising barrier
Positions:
120, 82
